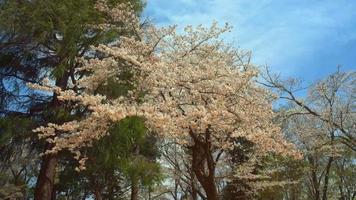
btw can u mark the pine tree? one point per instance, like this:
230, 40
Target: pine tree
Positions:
41, 40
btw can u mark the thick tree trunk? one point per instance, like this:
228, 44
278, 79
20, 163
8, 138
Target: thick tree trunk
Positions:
45, 182
134, 190
97, 194
54, 195
210, 190
194, 193
203, 164
134, 179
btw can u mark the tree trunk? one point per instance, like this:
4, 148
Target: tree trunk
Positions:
45, 181
326, 179
341, 193
97, 194
194, 192
210, 189
134, 190
315, 192
54, 195
135, 179
203, 164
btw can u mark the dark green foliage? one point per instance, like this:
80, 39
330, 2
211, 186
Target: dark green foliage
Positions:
288, 177
242, 150
237, 189
289, 171
138, 151
14, 130
113, 89
17, 150
128, 153
41, 23
38, 39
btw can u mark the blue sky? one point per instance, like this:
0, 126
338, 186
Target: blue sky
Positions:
300, 38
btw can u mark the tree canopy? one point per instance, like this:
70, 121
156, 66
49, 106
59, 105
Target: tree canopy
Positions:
96, 104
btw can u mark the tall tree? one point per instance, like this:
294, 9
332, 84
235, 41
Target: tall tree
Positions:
41, 39
190, 87
321, 124
122, 160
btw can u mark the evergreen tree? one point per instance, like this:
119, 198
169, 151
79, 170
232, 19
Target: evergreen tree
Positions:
124, 159
38, 40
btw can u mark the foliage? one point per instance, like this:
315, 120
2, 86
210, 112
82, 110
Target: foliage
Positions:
127, 153
104, 90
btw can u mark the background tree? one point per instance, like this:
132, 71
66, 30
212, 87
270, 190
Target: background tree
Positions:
19, 156
122, 161
321, 124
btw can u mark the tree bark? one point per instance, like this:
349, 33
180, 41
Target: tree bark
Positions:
45, 182
134, 179
210, 189
194, 192
203, 164
134, 190
326, 179
315, 192
97, 194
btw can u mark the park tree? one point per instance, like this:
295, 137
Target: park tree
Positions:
329, 101
181, 180
100, 91
191, 87
344, 175
322, 126
123, 161
40, 40
18, 156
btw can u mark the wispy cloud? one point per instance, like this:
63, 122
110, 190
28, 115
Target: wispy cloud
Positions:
291, 36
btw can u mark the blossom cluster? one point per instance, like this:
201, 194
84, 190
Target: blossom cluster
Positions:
191, 82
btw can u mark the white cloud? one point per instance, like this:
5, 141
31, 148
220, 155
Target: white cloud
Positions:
280, 33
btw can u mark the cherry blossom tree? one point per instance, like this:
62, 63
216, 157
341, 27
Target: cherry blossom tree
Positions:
188, 86
322, 124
